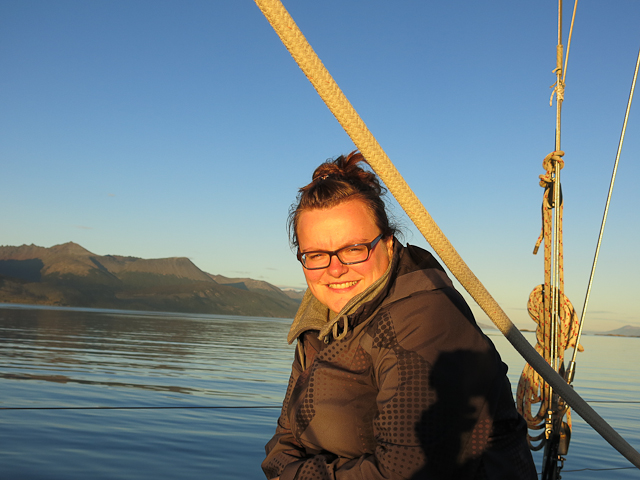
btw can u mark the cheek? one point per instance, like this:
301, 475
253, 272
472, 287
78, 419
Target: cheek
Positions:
380, 268
311, 276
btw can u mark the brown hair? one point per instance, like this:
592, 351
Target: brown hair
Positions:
335, 182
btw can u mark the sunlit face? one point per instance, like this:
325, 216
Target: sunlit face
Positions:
330, 229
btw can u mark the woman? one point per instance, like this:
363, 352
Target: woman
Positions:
392, 378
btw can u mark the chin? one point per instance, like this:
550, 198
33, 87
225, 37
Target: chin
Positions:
337, 308
338, 305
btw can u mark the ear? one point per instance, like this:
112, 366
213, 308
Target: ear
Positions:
389, 243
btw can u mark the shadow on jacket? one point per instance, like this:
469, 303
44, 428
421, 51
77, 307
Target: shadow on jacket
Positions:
494, 448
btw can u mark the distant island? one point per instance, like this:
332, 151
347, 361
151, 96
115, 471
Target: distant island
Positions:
626, 331
70, 275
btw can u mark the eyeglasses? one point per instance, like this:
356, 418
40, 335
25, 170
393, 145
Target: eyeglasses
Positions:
349, 255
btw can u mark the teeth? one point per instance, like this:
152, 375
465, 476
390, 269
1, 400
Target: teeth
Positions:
341, 285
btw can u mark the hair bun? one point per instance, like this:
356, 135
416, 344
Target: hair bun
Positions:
326, 170
347, 168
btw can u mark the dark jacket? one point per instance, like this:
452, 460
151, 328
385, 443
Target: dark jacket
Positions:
410, 389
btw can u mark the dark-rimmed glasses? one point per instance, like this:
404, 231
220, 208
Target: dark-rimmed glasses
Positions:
349, 255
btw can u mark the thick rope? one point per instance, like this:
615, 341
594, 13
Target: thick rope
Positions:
325, 85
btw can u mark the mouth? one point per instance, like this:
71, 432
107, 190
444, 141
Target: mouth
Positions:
341, 286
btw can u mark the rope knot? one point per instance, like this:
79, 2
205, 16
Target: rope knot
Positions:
550, 163
558, 88
556, 156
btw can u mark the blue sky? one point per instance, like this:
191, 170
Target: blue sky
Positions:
165, 128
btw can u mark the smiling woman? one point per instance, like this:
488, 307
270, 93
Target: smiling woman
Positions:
392, 376
338, 214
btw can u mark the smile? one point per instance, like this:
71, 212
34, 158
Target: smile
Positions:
339, 286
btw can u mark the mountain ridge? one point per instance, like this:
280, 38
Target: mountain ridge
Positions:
70, 275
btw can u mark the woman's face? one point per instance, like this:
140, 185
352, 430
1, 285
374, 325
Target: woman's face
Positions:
331, 229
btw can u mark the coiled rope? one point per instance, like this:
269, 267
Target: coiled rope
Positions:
532, 388
354, 126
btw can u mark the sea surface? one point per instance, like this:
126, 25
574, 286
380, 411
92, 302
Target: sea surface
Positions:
106, 394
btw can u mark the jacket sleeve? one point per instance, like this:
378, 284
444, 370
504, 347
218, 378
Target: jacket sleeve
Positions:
283, 449
435, 373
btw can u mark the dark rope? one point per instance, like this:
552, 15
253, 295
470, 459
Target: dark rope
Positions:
613, 401
134, 408
220, 407
594, 470
599, 469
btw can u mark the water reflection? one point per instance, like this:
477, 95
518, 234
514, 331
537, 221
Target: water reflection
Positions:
183, 354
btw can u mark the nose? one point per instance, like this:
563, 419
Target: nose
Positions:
336, 268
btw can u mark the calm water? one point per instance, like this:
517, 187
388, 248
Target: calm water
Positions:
96, 358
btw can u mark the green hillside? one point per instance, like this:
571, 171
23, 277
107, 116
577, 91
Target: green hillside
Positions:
69, 275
